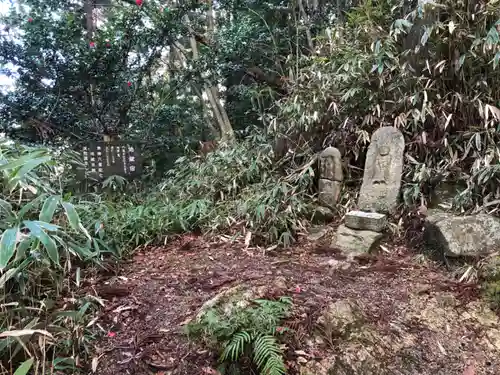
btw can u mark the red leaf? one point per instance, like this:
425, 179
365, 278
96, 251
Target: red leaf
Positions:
111, 334
297, 289
129, 83
30, 19
138, 2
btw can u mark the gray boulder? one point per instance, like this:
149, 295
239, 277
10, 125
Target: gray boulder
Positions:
457, 236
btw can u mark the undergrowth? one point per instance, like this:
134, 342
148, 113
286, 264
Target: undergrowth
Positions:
245, 337
232, 188
44, 247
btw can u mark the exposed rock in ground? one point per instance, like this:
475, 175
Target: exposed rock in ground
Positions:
241, 296
455, 236
361, 347
317, 232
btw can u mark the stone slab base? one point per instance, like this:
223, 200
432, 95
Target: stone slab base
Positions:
354, 242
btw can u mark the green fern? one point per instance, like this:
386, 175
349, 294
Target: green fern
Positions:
267, 355
274, 366
246, 334
236, 346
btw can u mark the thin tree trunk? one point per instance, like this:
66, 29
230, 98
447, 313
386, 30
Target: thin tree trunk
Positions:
304, 15
227, 133
180, 54
220, 114
88, 8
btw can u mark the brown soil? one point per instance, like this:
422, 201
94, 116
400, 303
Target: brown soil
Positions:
425, 322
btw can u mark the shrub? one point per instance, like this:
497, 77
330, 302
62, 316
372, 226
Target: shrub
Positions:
238, 186
42, 247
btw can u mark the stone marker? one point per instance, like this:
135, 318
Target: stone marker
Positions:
455, 236
330, 176
329, 192
366, 220
383, 171
330, 164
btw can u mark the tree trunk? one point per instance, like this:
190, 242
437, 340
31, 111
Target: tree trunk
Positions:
220, 114
305, 17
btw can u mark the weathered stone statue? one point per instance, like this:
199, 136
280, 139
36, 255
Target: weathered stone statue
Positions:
379, 193
330, 176
383, 171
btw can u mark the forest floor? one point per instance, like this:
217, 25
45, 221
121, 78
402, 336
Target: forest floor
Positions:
424, 321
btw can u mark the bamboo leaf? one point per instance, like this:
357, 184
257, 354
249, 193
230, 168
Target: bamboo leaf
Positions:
25, 367
74, 218
47, 241
8, 243
30, 165
18, 162
49, 207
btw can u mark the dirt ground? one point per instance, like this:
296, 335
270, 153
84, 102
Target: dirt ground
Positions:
423, 322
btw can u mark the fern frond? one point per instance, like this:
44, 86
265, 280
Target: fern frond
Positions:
264, 348
274, 366
236, 346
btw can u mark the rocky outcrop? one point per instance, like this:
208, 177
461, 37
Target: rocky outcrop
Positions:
428, 330
455, 236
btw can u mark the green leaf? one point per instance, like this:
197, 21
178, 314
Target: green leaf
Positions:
49, 207
25, 367
47, 226
22, 248
7, 276
22, 160
7, 246
30, 165
47, 241
29, 206
6, 207
74, 219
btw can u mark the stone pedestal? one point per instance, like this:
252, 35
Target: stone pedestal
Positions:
366, 221
329, 192
354, 242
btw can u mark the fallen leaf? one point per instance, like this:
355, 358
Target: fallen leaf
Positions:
248, 238
441, 348
95, 363
24, 332
209, 370
470, 370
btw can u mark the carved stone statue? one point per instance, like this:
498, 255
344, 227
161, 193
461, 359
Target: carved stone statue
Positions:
383, 171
